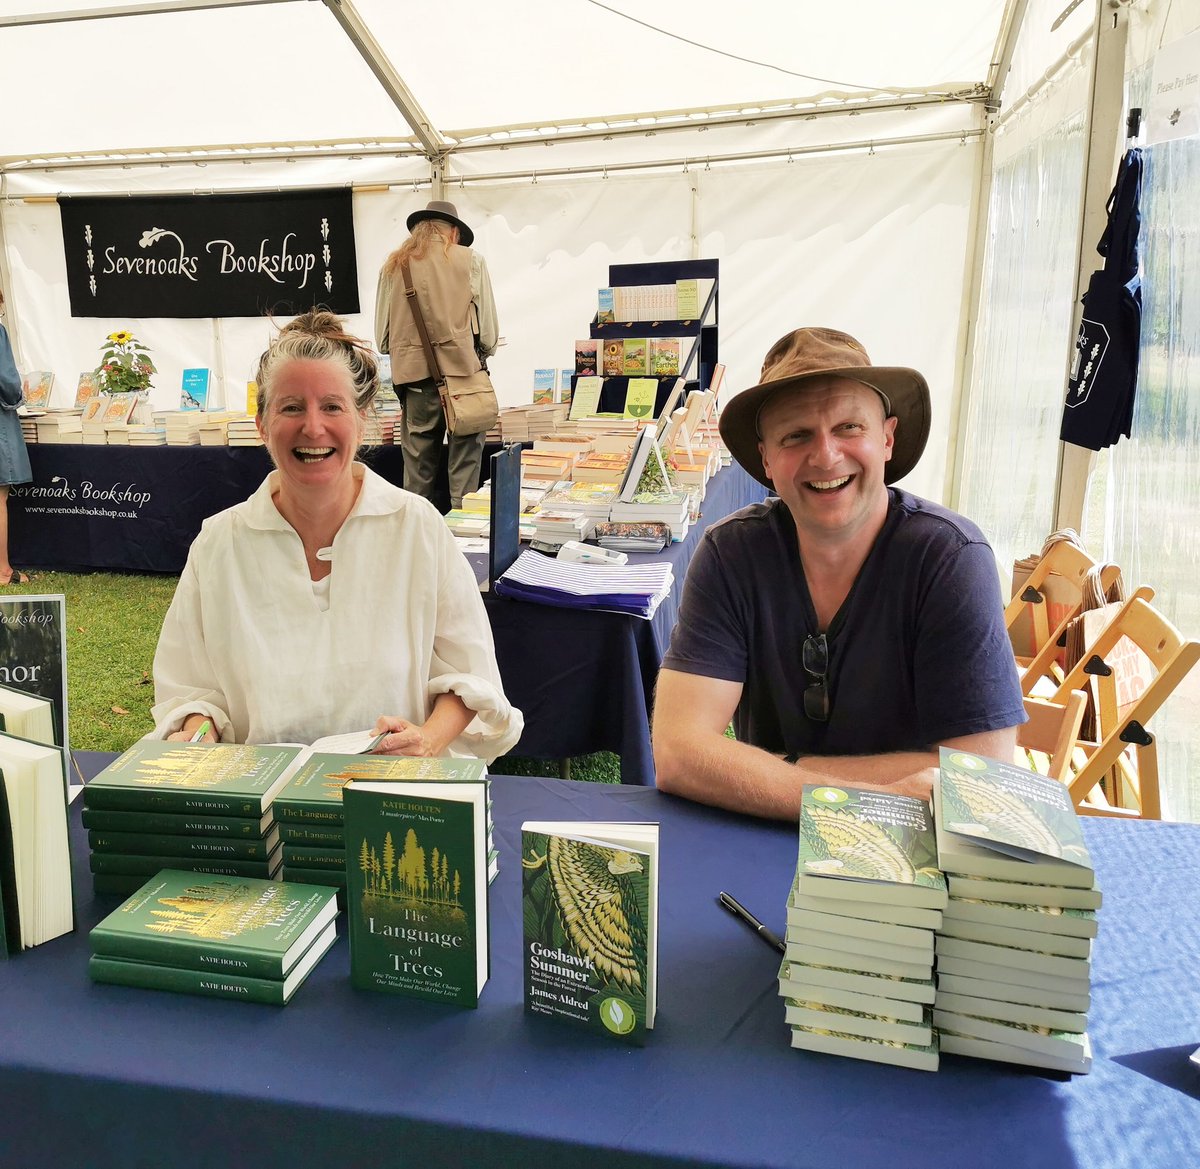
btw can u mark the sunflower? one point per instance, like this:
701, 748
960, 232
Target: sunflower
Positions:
121, 338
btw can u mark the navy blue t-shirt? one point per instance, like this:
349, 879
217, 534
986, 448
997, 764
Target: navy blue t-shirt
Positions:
918, 652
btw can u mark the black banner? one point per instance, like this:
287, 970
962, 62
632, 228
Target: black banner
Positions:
210, 255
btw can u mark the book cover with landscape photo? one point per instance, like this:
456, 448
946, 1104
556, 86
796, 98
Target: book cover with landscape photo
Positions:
590, 924
416, 889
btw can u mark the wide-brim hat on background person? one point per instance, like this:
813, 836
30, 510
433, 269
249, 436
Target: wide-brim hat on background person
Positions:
448, 213
810, 353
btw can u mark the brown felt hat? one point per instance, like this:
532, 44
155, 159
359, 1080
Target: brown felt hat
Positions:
448, 213
810, 353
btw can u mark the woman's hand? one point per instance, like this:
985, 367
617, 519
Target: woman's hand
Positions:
192, 724
400, 737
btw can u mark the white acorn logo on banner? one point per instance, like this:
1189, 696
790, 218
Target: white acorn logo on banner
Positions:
325, 229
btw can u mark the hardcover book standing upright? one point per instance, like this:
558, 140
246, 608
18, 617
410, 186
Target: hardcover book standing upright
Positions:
590, 912
193, 392
416, 889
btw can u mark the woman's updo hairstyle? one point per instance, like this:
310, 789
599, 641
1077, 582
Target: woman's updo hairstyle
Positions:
319, 335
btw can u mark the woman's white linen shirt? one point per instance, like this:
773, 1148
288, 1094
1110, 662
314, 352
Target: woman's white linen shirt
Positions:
246, 643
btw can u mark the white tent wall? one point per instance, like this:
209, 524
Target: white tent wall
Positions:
870, 242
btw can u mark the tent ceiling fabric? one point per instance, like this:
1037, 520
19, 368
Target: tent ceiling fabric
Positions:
286, 72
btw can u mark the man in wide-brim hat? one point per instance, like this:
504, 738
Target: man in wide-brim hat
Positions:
847, 628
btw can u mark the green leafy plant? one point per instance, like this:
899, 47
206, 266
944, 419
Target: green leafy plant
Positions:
125, 365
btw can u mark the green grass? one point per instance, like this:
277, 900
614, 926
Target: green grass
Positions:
113, 621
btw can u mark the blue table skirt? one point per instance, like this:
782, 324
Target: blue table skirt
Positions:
105, 1076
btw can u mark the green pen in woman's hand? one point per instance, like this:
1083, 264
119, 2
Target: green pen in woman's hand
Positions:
201, 731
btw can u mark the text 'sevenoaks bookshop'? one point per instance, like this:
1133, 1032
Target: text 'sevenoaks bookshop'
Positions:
590, 910
416, 888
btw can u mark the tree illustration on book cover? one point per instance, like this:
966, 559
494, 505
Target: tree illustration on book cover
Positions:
585, 906
413, 928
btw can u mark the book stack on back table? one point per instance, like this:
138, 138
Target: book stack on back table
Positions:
60, 426
857, 977
202, 807
229, 937
1014, 949
308, 810
243, 432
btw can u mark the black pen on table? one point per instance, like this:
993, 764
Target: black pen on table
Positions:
743, 914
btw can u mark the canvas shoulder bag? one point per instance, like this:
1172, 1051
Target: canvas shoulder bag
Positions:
468, 402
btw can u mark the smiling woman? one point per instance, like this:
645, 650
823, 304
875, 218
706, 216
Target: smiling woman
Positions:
330, 601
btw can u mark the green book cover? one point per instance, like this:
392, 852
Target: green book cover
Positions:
235, 779
313, 795
868, 846
590, 924
208, 847
237, 926
995, 819
640, 396
219, 984
635, 357
147, 864
175, 824
586, 399
314, 857
416, 889
312, 835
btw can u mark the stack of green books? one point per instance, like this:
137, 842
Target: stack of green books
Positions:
1014, 948
857, 976
229, 937
308, 809
203, 807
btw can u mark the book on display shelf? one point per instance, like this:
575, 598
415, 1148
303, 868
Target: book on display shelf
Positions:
612, 357
543, 386
635, 357
87, 388
605, 306
37, 387
416, 889
997, 820
193, 389
235, 779
589, 903
587, 357
640, 395
861, 1024
665, 356
565, 381
586, 399
871, 846
259, 928
35, 853
921, 1058
214, 984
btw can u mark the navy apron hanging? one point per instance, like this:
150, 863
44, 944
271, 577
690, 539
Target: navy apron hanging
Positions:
1100, 392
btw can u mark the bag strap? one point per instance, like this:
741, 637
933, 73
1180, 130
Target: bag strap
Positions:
414, 306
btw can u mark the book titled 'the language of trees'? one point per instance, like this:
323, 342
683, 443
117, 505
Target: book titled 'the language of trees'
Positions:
590, 924
416, 888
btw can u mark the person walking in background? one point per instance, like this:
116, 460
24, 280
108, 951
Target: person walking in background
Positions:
14, 458
455, 294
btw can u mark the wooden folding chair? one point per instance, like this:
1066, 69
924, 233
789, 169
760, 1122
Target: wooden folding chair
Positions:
1128, 691
1047, 742
1073, 564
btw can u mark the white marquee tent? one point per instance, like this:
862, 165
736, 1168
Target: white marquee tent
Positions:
929, 176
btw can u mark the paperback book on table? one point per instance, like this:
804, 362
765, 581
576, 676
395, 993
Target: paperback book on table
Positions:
1013, 975
223, 936
416, 891
589, 898
855, 981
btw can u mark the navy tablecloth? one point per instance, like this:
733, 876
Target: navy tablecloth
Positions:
105, 1076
